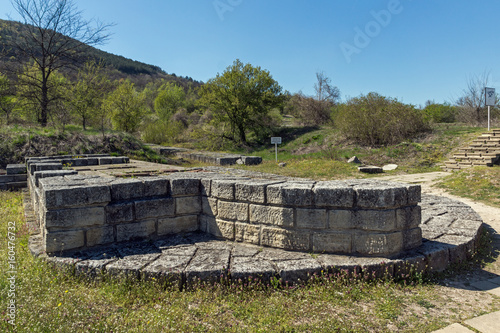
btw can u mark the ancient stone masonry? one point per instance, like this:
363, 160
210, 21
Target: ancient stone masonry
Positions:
361, 217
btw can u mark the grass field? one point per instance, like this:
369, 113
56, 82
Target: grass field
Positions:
51, 300
48, 299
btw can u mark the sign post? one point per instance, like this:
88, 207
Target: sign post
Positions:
276, 140
489, 95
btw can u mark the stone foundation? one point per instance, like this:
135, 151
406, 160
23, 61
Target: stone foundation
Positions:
360, 217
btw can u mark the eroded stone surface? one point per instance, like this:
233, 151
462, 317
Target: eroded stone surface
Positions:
450, 230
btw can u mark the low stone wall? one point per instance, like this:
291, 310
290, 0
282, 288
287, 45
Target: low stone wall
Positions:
15, 177
363, 217
207, 157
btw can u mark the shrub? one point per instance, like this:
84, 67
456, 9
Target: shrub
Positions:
161, 132
310, 111
440, 113
377, 120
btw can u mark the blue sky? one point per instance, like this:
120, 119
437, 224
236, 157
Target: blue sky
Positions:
411, 50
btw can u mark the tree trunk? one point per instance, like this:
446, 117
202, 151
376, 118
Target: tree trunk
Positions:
45, 102
242, 134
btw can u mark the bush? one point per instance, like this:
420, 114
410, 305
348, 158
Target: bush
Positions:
310, 111
377, 120
160, 132
440, 113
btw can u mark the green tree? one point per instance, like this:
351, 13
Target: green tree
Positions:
30, 99
89, 91
170, 98
7, 98
126, 107
53, 37
241, 100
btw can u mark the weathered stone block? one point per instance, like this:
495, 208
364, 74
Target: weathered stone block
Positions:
187, 205
155, 186
78, 162
207, 265
223, 189
280, 216
60, 197
412, 238
221, 229
63, 240
458, 247
414, 194
232, 210
251, 160
135, 231
293, 271
229, 160
291, 194
47, 167
339, 219
119, 213
92, 161
381, 196
252, 191
378, 244
376, 220
126, 189
184, 186
173, 225
285, 239
340, 242
16, 169
154, 208
205, 187
209, 206
205, 221
408, 217
333, 194
247, 233
38, 175
436, 254
311, 218
75, 218
100, 236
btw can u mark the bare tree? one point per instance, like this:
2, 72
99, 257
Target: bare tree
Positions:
54, 36
472, 104
324, 89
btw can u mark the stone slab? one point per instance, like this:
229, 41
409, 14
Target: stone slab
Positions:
454, 328
16, 169
208, 265
487, 323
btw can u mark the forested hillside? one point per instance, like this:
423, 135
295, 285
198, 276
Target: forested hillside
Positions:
117, 67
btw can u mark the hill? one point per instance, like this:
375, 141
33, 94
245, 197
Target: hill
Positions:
118, 67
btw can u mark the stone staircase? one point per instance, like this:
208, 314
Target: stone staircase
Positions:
485, 150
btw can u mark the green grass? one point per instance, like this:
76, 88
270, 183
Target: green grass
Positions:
49, 299
478, 183
322, 153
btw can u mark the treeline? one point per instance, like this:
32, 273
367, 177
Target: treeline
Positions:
242, 106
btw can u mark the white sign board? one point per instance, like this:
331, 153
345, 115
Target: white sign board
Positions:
490, 96
276, 140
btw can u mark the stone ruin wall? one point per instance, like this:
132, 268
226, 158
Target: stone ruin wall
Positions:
364, 217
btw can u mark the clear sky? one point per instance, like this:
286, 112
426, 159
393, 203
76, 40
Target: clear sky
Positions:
411, 50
